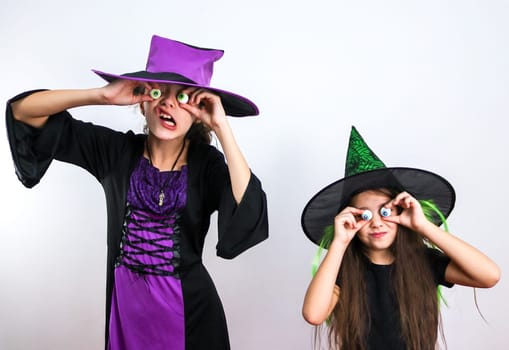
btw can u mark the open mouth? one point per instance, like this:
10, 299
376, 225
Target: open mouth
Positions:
168, 120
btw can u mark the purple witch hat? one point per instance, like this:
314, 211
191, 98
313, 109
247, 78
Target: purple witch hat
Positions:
174, 62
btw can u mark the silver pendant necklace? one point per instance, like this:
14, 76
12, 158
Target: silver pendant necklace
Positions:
163, 187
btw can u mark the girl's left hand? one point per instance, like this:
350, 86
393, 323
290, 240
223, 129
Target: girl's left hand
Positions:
411, 214
206, 107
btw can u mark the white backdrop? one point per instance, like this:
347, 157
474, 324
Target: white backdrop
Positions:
425, 82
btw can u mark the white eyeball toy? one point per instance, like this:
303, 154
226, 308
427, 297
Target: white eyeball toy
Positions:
367, 215
385, 212
155, 93
183, 97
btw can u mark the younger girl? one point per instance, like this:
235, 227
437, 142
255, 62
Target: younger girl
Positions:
386, 255
161, 189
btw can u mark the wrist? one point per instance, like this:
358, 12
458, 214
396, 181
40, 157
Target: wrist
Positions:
221, 128
425, 228
339, 244
99, 96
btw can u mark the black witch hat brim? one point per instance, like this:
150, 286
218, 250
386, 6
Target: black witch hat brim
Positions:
233, 104
320, 211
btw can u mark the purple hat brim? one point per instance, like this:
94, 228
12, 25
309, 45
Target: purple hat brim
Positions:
233, 104
321, 209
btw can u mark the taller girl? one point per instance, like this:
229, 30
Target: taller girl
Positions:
161, 189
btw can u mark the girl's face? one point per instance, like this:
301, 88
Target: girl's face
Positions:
166, 120
377, 235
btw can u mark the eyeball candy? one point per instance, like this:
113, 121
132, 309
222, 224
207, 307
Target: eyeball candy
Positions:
183, 97
155, 93
367, 215
385, 212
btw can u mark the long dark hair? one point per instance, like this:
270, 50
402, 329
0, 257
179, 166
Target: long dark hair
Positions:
413, 285
199, 133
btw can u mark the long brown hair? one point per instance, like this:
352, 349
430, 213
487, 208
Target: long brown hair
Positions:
199, 133
413, 286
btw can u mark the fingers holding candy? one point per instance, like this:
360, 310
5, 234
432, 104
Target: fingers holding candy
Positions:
410, 211
124, 92
348, 222
204, 105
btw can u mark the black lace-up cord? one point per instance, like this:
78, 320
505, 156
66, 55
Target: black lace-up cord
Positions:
130, 261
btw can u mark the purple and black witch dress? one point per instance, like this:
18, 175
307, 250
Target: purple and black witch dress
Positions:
158, 293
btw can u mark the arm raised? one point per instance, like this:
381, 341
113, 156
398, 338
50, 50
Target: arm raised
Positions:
36, 108
468, 266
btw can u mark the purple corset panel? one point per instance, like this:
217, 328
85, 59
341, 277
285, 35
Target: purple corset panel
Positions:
147, 309
150, 238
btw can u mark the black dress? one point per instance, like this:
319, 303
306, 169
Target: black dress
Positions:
385, 330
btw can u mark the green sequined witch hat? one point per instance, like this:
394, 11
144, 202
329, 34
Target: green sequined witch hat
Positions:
364, 171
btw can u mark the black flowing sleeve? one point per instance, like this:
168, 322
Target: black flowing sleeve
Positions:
94, 148
438, 262
242, 225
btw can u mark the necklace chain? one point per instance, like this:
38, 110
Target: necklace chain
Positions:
163, 187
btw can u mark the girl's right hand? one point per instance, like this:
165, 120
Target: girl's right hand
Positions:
347, 223
121, 92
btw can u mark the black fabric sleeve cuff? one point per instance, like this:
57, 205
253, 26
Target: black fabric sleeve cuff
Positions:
244, 225
25, 143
